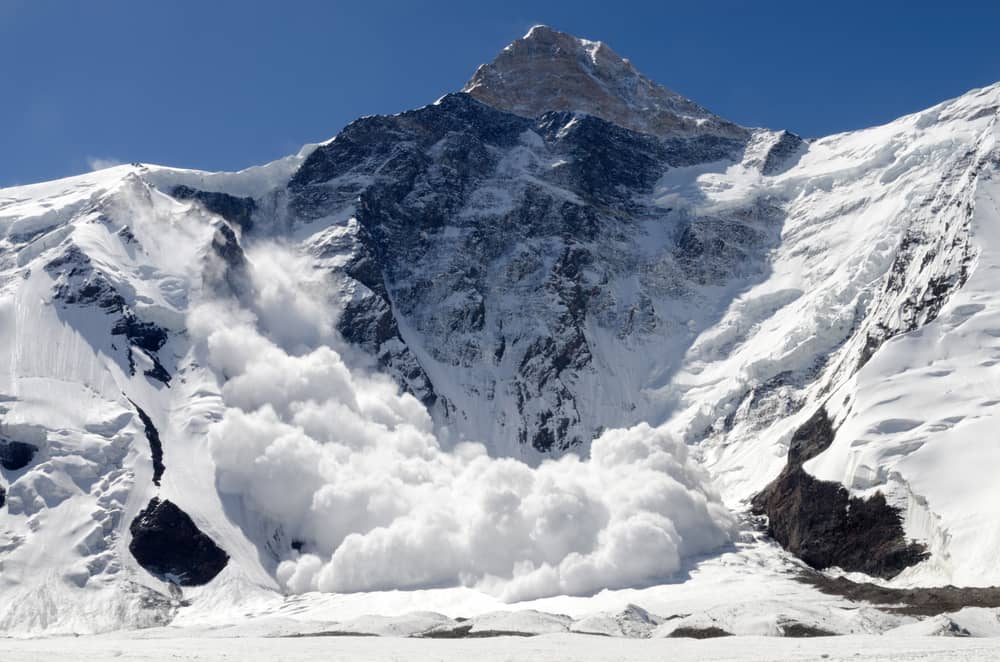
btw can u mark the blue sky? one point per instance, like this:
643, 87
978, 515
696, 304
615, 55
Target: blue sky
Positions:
221, 84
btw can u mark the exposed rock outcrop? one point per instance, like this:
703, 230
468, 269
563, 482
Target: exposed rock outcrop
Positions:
238, 211
155, 445
549, 70
226, 267
79, 282
710, 632
779, 156
168, 545
821, 523
15, 455
920, 601
147, 337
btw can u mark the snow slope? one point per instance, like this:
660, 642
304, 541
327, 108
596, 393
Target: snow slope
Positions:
860, 205
890, 257
921, 422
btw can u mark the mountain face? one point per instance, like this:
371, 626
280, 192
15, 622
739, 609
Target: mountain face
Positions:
460, 210
548, 70
265, 380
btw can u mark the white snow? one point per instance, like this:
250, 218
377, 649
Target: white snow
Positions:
547, 648
922, 421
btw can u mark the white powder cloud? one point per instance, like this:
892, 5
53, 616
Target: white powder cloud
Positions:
100, 163
352, 468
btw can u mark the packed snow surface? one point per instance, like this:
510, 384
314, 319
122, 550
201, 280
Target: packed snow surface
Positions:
556, 647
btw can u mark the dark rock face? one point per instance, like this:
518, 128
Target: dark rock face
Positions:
155, 446
367, 322
158, 372
459, 632
607, 164
779, 157
821, 523
710, 632
15, 455
167, 544
146, 336
923, 303
461, 207
238, 211
930, 265
548, 70
226, 267
80, 283
929, 601
3, 496
802, 630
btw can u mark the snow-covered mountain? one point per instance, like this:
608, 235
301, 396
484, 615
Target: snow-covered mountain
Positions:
547, 335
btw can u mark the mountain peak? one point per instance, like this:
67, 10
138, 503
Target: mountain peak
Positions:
542, 31
540, 34
548, 70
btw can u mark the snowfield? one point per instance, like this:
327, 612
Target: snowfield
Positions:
543, 648
328, 366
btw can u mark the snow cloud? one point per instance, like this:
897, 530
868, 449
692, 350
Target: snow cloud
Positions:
100, 163
337, 458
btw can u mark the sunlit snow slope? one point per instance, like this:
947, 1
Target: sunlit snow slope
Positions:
525, 350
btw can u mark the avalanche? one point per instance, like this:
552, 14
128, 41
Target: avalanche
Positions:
347, 467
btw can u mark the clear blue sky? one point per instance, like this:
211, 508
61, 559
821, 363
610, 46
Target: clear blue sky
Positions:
223, 84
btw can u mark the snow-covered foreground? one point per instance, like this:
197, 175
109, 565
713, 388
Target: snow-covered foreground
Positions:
750, 590
541, 648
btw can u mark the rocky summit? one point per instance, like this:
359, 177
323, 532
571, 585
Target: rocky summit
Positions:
547, 70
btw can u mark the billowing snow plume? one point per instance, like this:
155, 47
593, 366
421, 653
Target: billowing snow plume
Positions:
352, 469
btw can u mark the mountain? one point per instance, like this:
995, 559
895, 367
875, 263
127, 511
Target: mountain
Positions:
548, 70
555, 333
